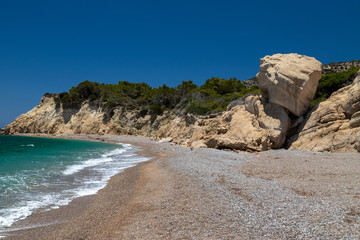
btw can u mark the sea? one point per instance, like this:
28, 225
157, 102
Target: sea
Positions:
39, 174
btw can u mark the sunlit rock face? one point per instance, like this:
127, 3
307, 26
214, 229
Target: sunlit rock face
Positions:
333, 125
289, 80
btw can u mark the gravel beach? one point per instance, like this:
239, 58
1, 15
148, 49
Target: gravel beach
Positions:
212, 194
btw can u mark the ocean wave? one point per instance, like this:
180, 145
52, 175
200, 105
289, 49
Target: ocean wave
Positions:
102, 169
10, 215
106, 157
27, 145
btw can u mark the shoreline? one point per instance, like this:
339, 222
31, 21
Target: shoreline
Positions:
38, 221
213, 194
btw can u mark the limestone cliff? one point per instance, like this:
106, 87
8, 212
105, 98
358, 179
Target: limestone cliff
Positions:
253, 123
51, 118
258, 127
332, 125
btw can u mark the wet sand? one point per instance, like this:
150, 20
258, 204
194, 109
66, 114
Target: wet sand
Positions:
212, 194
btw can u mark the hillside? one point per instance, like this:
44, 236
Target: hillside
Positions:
211, 97
340, 66
221, 113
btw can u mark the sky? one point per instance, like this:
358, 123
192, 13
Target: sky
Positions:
50, 46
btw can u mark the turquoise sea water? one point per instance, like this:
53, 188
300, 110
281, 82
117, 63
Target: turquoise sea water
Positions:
43, 173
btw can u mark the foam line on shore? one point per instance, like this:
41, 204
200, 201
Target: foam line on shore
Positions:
108, 165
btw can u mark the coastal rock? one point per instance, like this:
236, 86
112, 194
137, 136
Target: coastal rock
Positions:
272, 117
198, 144
41, 119
255, 126
289, 80
332, 125
252, 123
168, 139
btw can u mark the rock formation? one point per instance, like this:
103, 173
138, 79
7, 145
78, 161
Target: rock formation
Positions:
332, 125
253, 123
289, 80
255, 126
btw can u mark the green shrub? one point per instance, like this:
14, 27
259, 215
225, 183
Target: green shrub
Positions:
156, 109
110, 105
197, 109
332, 82
213, 96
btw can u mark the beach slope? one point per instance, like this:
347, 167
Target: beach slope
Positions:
212, 194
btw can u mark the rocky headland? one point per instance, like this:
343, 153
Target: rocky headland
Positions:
280, 117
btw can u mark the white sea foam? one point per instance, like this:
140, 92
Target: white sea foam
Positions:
88, 163
105, 167
106, 157
10, 215
86, 190
27, 145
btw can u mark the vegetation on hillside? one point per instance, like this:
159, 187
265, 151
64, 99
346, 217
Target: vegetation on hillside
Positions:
332, 82
213, 96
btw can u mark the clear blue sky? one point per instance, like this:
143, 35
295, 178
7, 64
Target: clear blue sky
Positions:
50, 46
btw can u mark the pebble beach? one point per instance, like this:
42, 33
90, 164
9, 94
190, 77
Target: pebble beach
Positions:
212, 194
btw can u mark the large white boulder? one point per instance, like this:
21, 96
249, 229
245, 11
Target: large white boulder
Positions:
289, 80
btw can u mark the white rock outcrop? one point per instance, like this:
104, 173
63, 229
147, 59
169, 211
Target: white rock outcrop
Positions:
333, 125
255, 126
289, 80
256, 123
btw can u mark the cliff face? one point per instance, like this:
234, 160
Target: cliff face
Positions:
51, 118
333, 125
240, 128
253, 123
